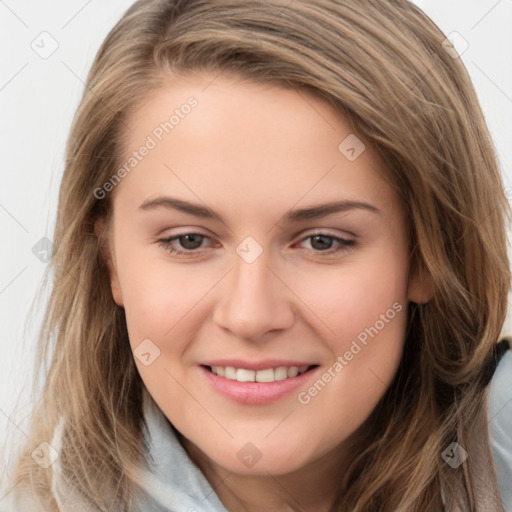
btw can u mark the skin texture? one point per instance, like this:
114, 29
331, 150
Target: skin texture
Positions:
251, 152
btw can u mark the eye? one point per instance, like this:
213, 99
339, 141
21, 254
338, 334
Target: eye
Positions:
189, 241
322, 244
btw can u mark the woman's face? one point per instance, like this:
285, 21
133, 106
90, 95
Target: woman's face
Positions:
269, 281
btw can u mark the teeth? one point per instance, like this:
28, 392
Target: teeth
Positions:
229, 373
293, 371
245, 375
266, 375
281, 373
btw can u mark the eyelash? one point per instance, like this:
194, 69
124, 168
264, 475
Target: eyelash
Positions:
346, 245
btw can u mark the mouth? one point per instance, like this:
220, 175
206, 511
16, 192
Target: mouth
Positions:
257, 386
264, 375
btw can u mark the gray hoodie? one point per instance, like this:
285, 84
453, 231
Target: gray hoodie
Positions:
177, 485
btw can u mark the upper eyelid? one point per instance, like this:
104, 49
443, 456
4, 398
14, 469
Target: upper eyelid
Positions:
301, 237
304, 233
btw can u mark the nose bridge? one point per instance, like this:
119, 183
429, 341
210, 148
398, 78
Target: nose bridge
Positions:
251, 281
255, 300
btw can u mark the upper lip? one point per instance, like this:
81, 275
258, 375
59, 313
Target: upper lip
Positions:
256, 365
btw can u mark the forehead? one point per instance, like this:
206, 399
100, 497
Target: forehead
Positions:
245, 144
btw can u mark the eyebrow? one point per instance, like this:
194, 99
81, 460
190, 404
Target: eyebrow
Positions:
313, 212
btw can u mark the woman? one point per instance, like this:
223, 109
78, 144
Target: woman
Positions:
280, 269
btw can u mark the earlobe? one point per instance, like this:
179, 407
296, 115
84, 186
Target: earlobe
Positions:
420, 288
99, 230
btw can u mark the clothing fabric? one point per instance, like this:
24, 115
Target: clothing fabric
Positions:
176, 484
500, 426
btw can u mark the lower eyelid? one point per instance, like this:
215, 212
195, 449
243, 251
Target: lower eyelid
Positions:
342, 244
166, 242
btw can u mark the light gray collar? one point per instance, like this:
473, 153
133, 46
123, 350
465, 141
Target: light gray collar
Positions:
175, 482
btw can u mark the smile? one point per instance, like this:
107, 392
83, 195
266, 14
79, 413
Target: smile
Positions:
257, 386
265, 375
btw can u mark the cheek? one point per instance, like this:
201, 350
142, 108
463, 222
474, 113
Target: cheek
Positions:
162, 299
348, 298
363, 308
363, 366
340, 306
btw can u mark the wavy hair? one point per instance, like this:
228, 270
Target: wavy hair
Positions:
382, 65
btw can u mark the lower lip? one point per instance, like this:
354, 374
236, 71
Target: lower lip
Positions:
256, 393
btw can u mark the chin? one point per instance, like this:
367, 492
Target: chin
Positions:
249, 460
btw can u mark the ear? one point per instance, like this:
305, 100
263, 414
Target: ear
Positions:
420, 288
99, 230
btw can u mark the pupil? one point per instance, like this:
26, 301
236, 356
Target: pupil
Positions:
193, 241
190, 238
327, 241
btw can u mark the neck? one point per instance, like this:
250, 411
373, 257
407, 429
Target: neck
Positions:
312, 488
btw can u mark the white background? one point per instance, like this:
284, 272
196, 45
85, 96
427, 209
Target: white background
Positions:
38, 98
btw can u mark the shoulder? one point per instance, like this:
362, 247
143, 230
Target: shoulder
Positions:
500, 424
60, 494
14, 502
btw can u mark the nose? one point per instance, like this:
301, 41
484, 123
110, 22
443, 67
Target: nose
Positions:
254, 301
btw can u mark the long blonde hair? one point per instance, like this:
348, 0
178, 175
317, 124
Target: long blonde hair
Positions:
381, 63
